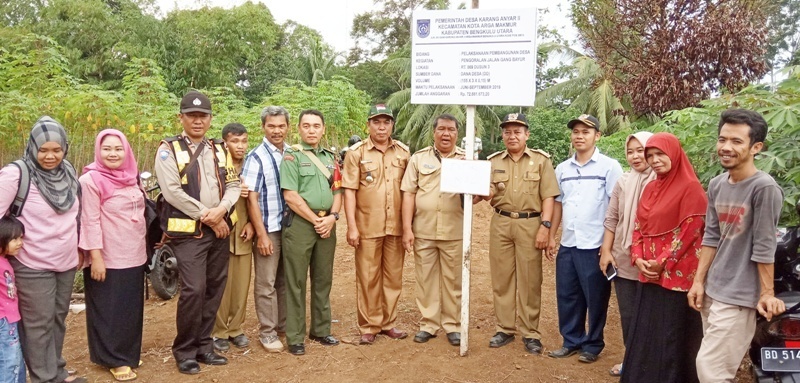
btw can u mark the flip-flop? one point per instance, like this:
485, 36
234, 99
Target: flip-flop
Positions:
125, 375
616, 370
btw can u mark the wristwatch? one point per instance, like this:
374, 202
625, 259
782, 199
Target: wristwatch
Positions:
547, 224
335, 215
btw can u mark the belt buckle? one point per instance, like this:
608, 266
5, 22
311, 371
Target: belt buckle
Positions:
322, 213
514, 215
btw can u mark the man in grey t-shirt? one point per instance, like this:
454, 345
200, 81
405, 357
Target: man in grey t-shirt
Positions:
735, 274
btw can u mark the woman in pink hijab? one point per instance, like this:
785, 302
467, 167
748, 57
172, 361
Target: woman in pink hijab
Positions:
113, 236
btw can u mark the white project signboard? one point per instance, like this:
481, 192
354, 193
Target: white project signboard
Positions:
474, 57
468, 177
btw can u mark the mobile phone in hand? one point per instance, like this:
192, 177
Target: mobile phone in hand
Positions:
611, 271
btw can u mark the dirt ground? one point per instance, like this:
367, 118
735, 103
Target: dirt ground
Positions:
386, 360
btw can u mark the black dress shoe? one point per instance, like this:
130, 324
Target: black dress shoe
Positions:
533, 346
240, 341
328, 340
297, 349
423, 336
500, 339
562, 352
454, 338
188, 366
212, 359
587, 357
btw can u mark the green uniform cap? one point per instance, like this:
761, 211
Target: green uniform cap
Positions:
380, 110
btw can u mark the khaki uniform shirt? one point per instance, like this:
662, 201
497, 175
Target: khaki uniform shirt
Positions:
376, 176
238, 245
522, 185
437, 216
166, 170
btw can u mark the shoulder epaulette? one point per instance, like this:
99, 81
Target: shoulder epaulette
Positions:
494, 154
329, 151
356, 145
217, 141
402, 145
459, 150
171, 138
297, 147
542, 152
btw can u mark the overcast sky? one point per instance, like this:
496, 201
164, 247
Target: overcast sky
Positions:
334, 18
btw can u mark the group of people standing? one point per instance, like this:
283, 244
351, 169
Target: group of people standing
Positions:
691, 268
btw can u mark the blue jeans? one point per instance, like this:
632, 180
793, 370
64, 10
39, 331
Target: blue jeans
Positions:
12, 368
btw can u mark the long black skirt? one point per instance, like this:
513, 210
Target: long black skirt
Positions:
114, 316
663, 338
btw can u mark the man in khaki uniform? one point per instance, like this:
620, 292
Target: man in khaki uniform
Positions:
232, 309
373, 169
522, 193
433, 230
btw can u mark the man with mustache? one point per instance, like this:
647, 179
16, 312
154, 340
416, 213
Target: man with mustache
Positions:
266, 207
433, 231
522, 192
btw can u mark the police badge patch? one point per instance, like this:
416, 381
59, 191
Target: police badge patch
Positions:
423, 28
163, 155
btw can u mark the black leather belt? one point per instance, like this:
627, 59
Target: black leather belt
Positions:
322, 213
515, 214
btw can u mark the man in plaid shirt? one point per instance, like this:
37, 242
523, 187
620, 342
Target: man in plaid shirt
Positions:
265, 206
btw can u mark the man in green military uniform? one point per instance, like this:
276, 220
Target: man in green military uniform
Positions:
522, 194
310, 180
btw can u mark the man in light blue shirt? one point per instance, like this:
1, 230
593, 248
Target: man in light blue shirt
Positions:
586, 181
265, 208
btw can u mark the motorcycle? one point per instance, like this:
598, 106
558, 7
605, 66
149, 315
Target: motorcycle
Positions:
775, 349
162, 266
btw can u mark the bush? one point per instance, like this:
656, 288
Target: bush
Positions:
697, 130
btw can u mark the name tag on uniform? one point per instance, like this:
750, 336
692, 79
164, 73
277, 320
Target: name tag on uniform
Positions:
499, 171
366, 161
429, 166
305, 164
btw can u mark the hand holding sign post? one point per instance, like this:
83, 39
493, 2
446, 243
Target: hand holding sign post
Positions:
472, 57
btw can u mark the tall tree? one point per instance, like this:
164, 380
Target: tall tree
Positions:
585, 88
670, 54
784, 34
387, 29
211, 47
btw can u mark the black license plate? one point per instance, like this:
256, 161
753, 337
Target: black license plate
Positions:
780, 359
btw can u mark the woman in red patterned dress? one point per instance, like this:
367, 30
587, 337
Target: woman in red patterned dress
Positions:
665, 333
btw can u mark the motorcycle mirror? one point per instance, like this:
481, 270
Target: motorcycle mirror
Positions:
145, 175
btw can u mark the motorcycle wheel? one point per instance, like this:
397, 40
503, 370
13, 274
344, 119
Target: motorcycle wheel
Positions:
163, 280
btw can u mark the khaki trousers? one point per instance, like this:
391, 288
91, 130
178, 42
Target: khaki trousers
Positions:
233, 307
379, 281
516, 268
727, 332
269, 292
437, 265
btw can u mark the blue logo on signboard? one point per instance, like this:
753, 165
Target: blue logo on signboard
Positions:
423, 28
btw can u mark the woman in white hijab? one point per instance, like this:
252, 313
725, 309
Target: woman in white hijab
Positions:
619, 222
